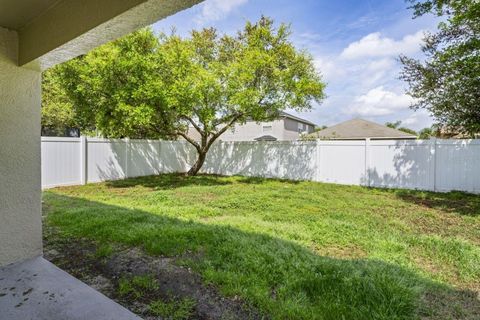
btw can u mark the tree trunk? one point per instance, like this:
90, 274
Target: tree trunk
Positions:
202, 154
207, 140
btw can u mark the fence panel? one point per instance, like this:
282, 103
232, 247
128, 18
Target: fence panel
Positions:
342, 162
440, 165
458, 165
288, 160
402, 164
143, 158
60, 161
106, 159
176, 156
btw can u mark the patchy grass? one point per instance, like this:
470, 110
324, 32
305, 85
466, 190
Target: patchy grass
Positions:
299, 250
175, 309
103, 251
137, 286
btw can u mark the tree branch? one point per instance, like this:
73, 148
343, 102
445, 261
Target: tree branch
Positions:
221, 131
193, 123
190, 140
223, 119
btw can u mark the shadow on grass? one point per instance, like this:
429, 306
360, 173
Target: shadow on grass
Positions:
452, 202
281, 278
178, 180
258, 180
168, 181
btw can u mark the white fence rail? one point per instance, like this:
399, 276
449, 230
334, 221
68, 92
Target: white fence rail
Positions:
437, 165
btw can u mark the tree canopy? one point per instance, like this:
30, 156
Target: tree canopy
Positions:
148, 86
57, 110
447, 83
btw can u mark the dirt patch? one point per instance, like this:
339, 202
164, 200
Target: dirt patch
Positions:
105, 269
453, 202
444, 304
344, 252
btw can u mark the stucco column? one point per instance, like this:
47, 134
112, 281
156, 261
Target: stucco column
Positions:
20, 205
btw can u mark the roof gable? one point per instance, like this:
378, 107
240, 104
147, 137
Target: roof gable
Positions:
287, 115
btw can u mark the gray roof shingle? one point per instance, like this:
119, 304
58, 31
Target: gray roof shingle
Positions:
361, 129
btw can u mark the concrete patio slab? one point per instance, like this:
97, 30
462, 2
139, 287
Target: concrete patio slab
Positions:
37, 289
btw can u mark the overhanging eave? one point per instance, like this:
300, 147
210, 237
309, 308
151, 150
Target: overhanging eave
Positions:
74, 27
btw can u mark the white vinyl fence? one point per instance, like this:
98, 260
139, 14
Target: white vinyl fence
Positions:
437, 165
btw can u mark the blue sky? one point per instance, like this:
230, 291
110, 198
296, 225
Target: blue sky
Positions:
355, 45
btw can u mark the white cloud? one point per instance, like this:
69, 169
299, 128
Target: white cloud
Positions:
213, 10
378, 102
418, 120
411, 120
380, 65
375, 45
363, 79
328, 68
377, 71
368, 87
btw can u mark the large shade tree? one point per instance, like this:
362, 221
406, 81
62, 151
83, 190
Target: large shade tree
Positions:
447, 83
58, 114
148, 86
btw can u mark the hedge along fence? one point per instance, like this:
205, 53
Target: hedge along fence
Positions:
436, 165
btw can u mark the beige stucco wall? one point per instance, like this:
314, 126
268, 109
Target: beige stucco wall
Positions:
20, 204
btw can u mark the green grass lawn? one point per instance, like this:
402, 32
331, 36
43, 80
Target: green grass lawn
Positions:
295, 250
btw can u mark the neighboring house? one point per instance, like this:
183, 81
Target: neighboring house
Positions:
286, 128
359, 129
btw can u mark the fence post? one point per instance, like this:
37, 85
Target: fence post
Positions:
318, 159
367, 161
434, 151
83, 160
159, 157
127, 154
